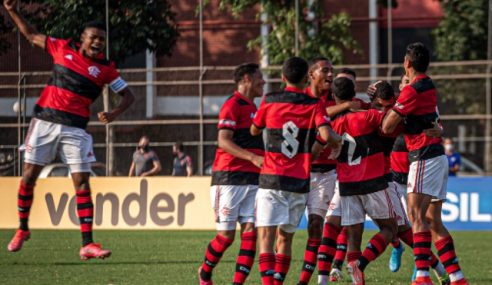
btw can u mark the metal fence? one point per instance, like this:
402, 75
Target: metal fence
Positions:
181, 104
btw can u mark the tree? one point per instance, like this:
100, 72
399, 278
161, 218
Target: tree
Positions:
462, 35
134, 26
317, 36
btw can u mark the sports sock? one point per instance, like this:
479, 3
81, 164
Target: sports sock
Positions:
24, 202
327, 249
377, 244
310, 258
214, 252
282, 264
445, 249
267, 268
422, 252
353, 255
85, 212
245, 258
407, 237
341, 249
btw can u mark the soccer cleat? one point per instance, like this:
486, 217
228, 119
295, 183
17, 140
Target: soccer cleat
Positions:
422, 280
16, 243
203, 282
355, 273
395, 259
336, 275
93, 250
462, 281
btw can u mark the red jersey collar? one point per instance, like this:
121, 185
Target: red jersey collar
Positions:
420, 76
238, 94
294, 89
323, 96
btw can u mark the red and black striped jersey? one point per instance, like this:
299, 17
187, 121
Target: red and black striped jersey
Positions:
322, 163
417, 103
237, 115
361, 164
291, 118
399, 161
76, 82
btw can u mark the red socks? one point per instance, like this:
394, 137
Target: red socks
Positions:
213, 254
24, 202
85, 212
310, 259
245, 258
328, 248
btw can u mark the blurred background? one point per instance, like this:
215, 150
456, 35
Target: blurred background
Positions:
178, 57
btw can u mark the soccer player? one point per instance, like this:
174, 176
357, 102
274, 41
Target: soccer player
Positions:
323, 175
235, 172
362, 185
61, 114
427, 178
291, 119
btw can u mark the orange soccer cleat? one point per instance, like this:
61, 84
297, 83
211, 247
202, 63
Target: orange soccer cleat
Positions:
16, 243
93, 250
355, 273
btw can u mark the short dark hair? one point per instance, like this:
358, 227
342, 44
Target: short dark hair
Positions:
314, 61
179, 146
419, 56
384, 91
245, 68
295, 69
343, 88
347, 70
95, 24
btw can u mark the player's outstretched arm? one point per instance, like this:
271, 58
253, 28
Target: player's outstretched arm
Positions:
128, 98
31, 34
390, 122
226, 143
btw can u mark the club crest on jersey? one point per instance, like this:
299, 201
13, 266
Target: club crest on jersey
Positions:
94, 71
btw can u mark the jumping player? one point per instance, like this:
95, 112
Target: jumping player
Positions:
235, 175
427, 177
290, 119
60, 117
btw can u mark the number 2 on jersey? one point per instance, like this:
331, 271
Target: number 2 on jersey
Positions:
352, 144
290, 144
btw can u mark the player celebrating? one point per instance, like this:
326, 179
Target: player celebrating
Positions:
362, 186
323, 175
291, 118
427, 178
235, 175
61, 115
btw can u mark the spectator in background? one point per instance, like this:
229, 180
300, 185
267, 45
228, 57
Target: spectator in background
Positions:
454, 158
182, 165
145, 161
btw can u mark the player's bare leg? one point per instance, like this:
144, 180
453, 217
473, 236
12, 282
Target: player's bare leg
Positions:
24, 202
444, 244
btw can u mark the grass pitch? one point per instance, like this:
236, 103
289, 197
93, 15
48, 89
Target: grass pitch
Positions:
172, 257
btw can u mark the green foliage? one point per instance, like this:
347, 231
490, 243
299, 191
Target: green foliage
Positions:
317, 36
462, 35
134, 25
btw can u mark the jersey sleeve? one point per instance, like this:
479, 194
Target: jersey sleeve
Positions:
407, 101
228, 116
54, 45
116, 83
260, 117
321, 117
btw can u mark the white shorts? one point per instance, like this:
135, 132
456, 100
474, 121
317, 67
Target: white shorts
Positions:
429, 177
402, 191
335, 208
232, 204
376, 205
45, 139
396, 201
321, 192
280, 208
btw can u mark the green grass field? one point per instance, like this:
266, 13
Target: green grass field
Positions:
172, 257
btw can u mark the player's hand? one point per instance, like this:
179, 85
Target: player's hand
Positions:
257, 161
105, 117
10, 5
335, 152
371, 89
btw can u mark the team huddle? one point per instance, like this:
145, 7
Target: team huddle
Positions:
324, 151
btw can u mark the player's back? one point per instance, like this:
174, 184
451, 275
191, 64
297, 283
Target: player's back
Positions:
361, 164
290, 118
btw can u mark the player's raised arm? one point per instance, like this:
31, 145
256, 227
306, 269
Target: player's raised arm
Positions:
31, 34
